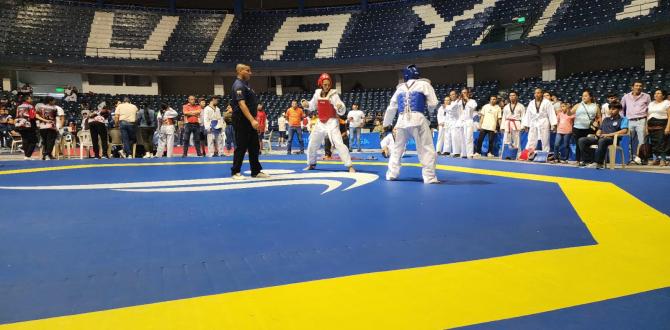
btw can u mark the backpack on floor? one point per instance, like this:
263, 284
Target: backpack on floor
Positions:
542, 156
527, 154
509, 153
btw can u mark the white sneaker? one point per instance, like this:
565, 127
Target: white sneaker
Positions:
476, 155
489, 155
239, 177
592, 165
638, 160
122, 154
147, 155
27, 158
432, 181
262, 175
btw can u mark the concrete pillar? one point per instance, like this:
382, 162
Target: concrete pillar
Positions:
278, 86
548, 67
219, 87
239, 8
649, 56
470, 75
338, 82
6, 84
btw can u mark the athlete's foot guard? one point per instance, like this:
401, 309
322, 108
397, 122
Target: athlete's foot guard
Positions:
351, 169
432, 181
310, 168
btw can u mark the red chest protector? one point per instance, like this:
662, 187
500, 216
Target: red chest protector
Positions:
326, 110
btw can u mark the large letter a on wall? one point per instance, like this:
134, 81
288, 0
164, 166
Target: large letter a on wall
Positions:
290, 31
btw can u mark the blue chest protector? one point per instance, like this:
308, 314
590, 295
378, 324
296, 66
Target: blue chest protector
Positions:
416, 101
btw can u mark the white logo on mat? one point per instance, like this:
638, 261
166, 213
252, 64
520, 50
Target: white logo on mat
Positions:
278, 178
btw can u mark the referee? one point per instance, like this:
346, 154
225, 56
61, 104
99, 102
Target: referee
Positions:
246, 127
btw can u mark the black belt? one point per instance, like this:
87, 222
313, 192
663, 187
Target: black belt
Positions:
636, 119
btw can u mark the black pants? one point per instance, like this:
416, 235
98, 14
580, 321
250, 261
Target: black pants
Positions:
99, 131
328, 146
588, 155
203, 140
660, 143
192, 129
147, 135
246, 139
48, 140
480, 141
578, 133
28, 140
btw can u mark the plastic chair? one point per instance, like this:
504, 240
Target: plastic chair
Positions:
17, 142
267, 138
85, 141
611, 153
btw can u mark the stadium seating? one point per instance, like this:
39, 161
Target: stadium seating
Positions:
56, 29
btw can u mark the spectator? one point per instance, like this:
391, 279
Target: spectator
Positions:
356, 119
213, 122
46, 116
659, 126
604, 137
230, 129
125, 117
605, 108
262, 120
635, 108
564, 133
60, 127
191, 111
146, 118
379, 128
203, 131
587, 118
539, 119
513, 112
489, 121
97, 124
26, 90
25, 125
6, 126
166, 121
294, 115
70, 94
556, 103
281, 123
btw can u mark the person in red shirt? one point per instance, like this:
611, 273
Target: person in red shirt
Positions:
262, 120
191, 112
25, 125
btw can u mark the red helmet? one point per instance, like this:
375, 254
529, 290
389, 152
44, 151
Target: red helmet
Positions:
322, 77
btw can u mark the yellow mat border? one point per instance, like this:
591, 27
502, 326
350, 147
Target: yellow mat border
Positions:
631, 257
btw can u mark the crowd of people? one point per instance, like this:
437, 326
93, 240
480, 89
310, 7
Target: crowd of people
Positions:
636, 114
211, 131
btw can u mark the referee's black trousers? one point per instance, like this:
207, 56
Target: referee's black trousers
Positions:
246, 139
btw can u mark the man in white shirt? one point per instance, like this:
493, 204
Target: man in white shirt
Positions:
468, 110
443, 146
281, 122
214, 126
489, 120
511, 120
356, 119
539, 119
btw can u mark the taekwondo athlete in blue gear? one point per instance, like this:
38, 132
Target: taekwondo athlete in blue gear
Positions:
415, 98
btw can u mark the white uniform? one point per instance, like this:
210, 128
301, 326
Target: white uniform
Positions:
330, 128
511, 124
166, 132
412, 98
539, 122
444, 130
466, 126
453, 113
216, 134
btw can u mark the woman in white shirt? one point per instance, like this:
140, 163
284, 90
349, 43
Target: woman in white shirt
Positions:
658, 127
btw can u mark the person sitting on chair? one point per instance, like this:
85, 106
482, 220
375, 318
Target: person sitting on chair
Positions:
604, 137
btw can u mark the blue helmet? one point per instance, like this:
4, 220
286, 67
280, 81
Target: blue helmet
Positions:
410, 72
